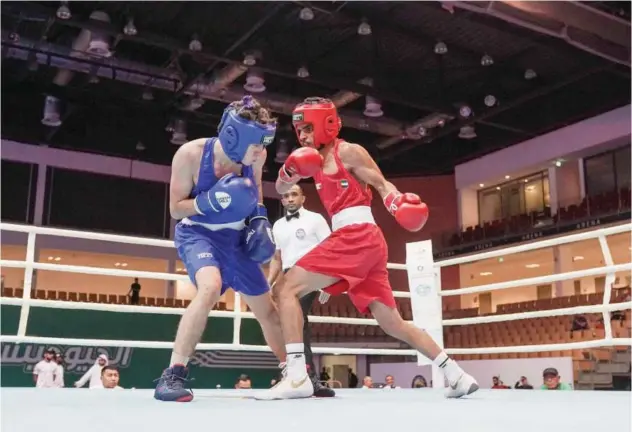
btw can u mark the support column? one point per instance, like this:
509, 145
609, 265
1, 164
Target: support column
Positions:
40, 195
563, 264
170, 286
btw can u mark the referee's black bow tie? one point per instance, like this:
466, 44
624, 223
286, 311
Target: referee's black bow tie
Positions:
292, 215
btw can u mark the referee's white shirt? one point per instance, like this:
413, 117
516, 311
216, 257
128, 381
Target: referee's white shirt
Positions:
296, 237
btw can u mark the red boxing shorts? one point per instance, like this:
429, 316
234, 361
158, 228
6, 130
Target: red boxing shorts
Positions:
357, 254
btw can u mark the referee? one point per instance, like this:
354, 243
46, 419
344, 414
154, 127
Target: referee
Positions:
295, 234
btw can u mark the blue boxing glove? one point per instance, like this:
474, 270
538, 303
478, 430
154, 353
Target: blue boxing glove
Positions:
233, 195
258, 239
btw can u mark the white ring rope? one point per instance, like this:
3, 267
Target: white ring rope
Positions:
29, 265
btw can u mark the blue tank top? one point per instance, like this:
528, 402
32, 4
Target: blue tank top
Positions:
207, 179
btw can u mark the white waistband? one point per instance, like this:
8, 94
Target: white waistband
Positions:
352, 215
237, 226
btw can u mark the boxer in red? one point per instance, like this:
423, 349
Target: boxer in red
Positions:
353, 258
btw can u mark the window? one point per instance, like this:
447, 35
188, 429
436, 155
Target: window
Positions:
107, 203
18, 191
489, 205
520, 196
622, 167
599, 174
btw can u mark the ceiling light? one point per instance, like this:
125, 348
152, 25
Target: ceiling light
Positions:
487, 60
486, 273
529, 74
507, 177
490, 101
63, 12
481, 185
558, 164
50, 258
578, 258
364, 29
465, 111
532, 266
306, 14
118, 264
130, 29
195, 44
526, 180
57, 259
440, 48
302, 72
497, 187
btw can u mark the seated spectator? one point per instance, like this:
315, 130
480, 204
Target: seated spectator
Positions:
419, 382
110, 378
523, 384
367, 382
498, 384
552, 380
243, 382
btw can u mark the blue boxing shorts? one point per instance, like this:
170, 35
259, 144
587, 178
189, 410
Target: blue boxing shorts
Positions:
200, 247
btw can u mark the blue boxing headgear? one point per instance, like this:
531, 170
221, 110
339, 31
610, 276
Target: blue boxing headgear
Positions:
236, 133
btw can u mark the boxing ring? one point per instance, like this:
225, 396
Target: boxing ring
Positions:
486, 410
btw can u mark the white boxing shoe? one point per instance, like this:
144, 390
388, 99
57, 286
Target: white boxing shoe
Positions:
464, 386
288, 388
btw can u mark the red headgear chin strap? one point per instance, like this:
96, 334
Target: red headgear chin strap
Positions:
322, 115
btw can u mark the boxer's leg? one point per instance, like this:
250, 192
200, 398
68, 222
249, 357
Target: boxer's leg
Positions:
250, 282
306, 305
200, 256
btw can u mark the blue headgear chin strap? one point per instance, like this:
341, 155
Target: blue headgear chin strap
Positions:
236, 134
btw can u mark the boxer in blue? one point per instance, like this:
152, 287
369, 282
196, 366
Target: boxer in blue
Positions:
223, 235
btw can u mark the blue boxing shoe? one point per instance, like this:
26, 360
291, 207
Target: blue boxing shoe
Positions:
170, 386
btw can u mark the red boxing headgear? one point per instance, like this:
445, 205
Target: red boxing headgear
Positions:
322, 115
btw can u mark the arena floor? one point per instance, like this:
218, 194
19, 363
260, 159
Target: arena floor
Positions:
33, 410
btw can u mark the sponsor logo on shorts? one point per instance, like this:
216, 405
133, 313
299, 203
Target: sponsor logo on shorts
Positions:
223, 199
318, 186
344, 184
204, 255
267, 139
77, 359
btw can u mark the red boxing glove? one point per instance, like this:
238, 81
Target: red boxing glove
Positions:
301, 163
409, 211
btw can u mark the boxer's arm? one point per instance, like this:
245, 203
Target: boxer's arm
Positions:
181, 184
358, 161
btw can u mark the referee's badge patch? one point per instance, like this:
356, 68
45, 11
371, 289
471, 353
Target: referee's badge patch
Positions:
300, 233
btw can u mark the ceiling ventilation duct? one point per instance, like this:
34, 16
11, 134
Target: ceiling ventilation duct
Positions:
373, 107
52, 109
579, 25
179, 135
145, 76
255, 81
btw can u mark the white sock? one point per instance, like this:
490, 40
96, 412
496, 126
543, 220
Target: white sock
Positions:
451, 370
296, 367
178, 359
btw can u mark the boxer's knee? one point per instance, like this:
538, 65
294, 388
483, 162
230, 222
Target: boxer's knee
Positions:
389, 320
208, 282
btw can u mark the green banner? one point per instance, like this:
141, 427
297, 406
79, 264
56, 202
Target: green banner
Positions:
139, 366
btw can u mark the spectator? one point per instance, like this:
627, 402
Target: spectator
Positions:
324, 376
552, 380
367, 382
419, 382
353, 379
498, 384
94, 373
110, 377
244, 382
45, 371
523, 384
134, 293
59, 375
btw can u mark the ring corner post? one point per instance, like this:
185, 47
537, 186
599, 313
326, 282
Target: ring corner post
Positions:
424, 283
